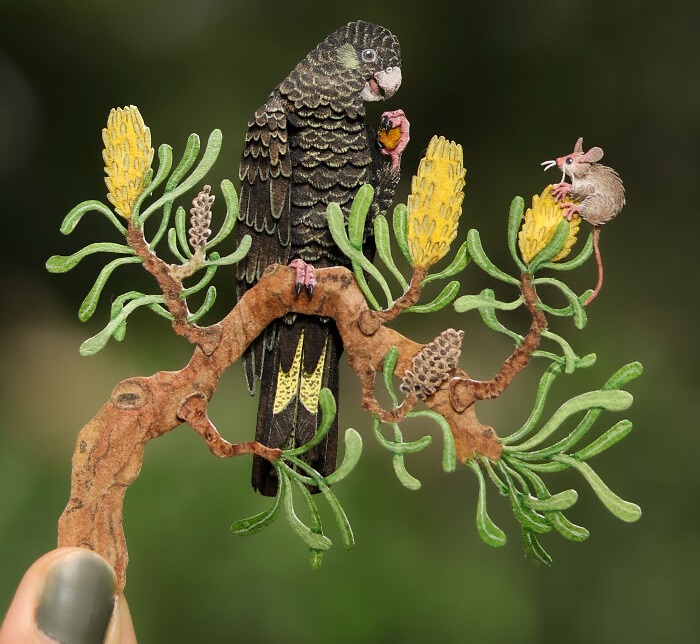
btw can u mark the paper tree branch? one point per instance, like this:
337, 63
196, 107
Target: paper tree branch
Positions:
109, 448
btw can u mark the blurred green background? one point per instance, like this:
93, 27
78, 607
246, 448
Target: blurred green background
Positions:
515, 82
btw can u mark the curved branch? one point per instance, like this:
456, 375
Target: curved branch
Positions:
109, 448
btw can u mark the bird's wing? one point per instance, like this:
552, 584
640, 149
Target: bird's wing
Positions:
266, 186
264, 214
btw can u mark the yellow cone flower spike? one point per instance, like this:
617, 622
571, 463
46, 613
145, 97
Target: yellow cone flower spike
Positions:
127, 155
540, 223
435, 202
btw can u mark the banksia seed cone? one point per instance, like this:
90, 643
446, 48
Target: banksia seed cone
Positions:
432, 364
435, 202
200, 218
540, 223
127, 155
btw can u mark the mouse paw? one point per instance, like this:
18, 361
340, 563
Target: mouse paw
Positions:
561, 190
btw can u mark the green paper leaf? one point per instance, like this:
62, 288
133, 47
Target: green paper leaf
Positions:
206, 162
341, 518
623, 375
577, 261
71, 220
388, 367
534, 550
611, 400
440, 302
231, 201
578, 310
489, 532
189, 156
64, 263
209, 300
312, 539
235, 256
399, 221
553, 248
449, 454
567, 529
480, 258
165, 162
97, 342
257, 522
89, 304
515, 217
561, 501
382, 241
358, 215
336, 225
181, 231
484, 300
614, 435
458, 264
622, 509
326, 402
351, 457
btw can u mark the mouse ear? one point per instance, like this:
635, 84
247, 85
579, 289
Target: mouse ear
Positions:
578, 148
592, 156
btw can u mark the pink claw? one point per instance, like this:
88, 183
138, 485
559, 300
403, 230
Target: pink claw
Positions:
570, 209
560, 190
390, 121
305, 276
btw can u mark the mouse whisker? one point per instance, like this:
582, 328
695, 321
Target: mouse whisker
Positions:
546, 165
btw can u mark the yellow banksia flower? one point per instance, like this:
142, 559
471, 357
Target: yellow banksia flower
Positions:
435, 202
541, 220
127, 155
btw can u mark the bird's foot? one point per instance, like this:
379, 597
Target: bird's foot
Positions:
570, 209
561, 190
305, 276
393, 135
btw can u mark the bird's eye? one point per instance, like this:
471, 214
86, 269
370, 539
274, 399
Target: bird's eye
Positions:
569, 160
369, 55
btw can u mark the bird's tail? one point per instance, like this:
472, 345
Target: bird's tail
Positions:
302, 362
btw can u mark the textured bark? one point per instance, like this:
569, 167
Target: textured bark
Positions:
109, 448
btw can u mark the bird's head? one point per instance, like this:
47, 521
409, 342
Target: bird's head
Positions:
359, 62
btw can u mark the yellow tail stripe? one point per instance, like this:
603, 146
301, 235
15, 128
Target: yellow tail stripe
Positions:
288, 381
310, 385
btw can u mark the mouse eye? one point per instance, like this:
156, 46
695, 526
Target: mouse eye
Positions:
369, 55
569, 160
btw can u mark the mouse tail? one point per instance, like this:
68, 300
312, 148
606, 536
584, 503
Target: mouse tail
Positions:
599, 261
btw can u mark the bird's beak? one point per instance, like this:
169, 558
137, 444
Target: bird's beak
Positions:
383, 84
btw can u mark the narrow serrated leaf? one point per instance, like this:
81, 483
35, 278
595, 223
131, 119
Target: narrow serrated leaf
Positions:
623, 510
399, 222
358, 215
623, 375
515, 217
458, 264
64, 263
614, 435
534, 549
382, 240
477, 253
561, 501
311, 538
71, 220
351, 457
441, 301
489, 532
231, 201
257, 522
449, 452
615, 400
89, 304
